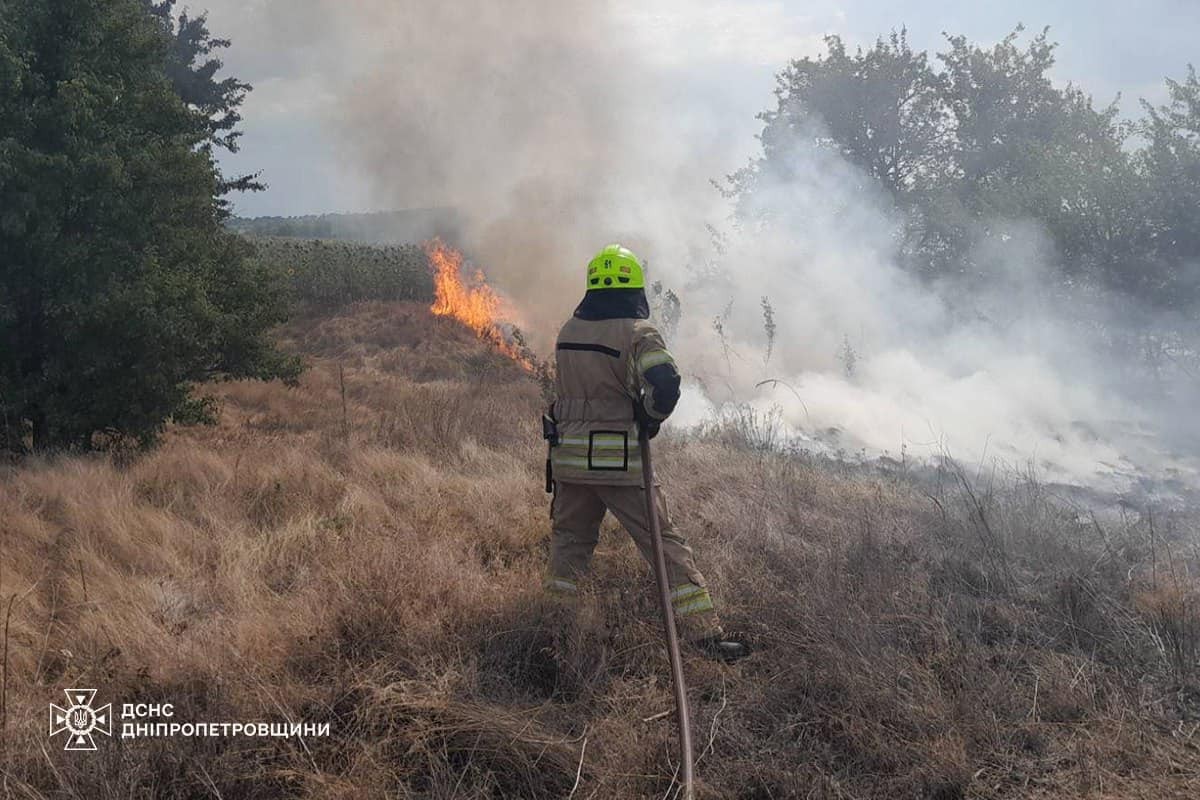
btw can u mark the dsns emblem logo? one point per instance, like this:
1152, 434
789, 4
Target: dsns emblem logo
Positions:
80, 720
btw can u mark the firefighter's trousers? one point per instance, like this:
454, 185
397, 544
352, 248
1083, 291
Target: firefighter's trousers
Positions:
577, 511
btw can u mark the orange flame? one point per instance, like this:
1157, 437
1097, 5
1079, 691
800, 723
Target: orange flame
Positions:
473, 302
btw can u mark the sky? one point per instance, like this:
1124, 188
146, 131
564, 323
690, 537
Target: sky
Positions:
718, 56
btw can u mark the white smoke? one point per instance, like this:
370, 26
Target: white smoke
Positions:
557, 127
868, 358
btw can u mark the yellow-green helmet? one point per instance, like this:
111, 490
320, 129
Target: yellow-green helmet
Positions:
615, 267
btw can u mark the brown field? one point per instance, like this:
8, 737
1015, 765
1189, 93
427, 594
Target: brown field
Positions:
368, 553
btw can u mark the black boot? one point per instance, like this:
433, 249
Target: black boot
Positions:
720, 648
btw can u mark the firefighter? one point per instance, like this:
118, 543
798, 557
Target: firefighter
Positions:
615, 374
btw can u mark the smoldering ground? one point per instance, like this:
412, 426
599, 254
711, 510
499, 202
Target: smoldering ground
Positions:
1009, 370
554, 128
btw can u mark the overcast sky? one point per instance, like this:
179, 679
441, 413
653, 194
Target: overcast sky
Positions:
716, 54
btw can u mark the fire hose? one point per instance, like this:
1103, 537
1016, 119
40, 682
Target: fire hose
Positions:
664, 596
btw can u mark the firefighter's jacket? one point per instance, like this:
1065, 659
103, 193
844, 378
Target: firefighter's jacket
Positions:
605, 368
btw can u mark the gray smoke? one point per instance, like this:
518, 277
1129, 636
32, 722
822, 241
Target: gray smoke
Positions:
540, 124
1011, 372
555, 128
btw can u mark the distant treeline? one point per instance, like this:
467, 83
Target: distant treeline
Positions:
385, 227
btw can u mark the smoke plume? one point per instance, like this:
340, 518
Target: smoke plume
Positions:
541, 125
555, 128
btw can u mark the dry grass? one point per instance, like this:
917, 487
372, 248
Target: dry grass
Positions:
376, 565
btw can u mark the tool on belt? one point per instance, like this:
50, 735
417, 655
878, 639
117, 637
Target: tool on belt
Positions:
550, 434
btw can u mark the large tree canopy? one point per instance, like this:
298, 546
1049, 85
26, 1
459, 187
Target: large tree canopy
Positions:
119, 287
982, 138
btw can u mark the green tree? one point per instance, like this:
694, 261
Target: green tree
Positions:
119, 287
1171, 165
965, 148
192, 68
1025, 149
881, 109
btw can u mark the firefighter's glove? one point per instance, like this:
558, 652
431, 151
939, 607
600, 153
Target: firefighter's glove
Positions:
646, 422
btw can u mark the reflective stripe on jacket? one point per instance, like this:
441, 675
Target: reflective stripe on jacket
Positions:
604, 367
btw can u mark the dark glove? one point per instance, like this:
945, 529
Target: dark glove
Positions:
646, 422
